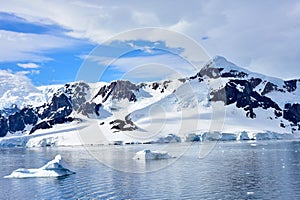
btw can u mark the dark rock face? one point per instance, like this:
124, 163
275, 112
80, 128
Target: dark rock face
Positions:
155, 86
234, 74
241, 92
291, 85
59, 100
255, 82
211, 72
291, 113
55, 112
119, 125
29, 116
77, 92
3, 126
9, 111
16, 122
89, 108
41, 125
269, 88
118, 90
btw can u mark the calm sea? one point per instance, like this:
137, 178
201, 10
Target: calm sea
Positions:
232, 170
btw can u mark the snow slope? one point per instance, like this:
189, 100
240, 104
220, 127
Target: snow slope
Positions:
221, 99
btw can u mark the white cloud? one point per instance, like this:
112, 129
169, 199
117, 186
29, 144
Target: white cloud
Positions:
28, 65
14, 87
247, 32
30, 47
154, 67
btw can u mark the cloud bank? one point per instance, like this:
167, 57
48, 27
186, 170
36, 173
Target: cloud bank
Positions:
263, 36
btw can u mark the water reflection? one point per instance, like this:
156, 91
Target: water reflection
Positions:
269, 170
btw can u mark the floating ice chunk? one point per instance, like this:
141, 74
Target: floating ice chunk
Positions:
151, 155
228, 136
244, 136
54, 168
192, 137
170, 138
208, 136
268, 135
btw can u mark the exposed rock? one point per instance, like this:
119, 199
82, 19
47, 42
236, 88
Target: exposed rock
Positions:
118, 90
29, 116
41, 125
269, 88
155, 86
234, 74
16, 122
9, 111
291, 112
77, 93
255, 82
241, 92
121, 125
211, 72
3, 126
290, 85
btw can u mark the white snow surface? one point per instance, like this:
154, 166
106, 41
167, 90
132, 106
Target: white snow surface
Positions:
17, 89
53, 168
181, 109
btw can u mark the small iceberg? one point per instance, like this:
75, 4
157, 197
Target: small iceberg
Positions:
152, 155
54, 168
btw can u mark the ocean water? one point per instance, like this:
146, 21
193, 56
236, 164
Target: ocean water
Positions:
232, 170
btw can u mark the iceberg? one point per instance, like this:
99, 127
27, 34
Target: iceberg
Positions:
53, 168
244, 136
151, 155
228, 137
170, 138
192, 137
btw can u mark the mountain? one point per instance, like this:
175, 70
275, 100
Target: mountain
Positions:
221, 97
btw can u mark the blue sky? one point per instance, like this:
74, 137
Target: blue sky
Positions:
52, 41
61, 65
58, 66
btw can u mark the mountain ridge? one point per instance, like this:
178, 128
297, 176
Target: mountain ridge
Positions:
122, 106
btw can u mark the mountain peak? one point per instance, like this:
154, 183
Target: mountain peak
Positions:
219, 58
222, 62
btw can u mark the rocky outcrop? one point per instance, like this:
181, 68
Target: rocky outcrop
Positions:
291, 85
291, 112
123, 125
3, 126
243, 94
89, 108
118, 90
29, 116
76, 92
243, 89
234, 74
16, 122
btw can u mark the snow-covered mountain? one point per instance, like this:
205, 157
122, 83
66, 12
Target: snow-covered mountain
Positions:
122, 111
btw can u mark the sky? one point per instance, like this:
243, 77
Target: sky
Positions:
59, 41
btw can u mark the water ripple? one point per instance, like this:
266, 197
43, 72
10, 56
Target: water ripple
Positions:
231, 171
